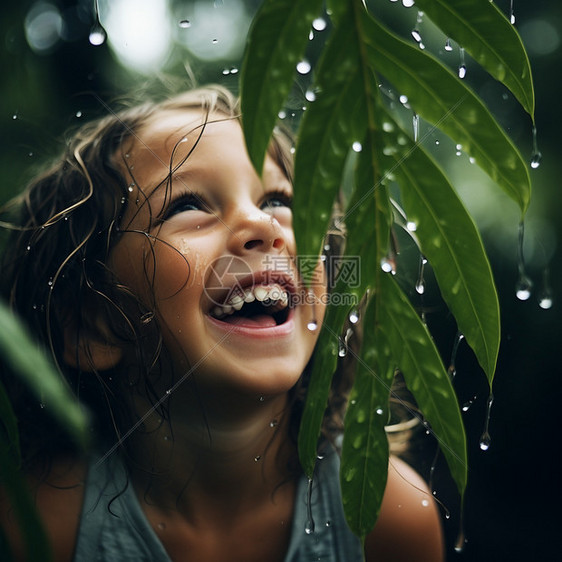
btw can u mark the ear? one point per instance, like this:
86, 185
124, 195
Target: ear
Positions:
90, 352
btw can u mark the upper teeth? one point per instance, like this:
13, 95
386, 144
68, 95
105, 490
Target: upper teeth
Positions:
271, 295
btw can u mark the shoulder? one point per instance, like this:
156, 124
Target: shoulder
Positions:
409, 524
58, 498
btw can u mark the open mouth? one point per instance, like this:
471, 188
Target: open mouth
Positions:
260, 306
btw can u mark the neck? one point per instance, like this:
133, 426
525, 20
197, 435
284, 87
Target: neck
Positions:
214, 450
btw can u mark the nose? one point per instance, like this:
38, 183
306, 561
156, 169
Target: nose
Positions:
253, 229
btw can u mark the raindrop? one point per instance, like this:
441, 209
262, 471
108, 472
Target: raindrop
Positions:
328, 523
233, 70
309, 525
452, 370
462, 64
536, 156
545, 296
420, 283
407, 3
403, 100
78, 114
131, 187
257, 458
310, 95
357, 146
458, 149
184, 24
411, 226
312, 325
511, 13
319, 24
466, 406
303, 67
262, 398
15, 116
97, 35
416, 126
342, 348
282, 114
448, 46
485, 439
460, 542
388, 265
214, 41
524, 285
354, 316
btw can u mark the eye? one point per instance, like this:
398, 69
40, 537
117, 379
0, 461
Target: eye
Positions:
185, 203
277, 199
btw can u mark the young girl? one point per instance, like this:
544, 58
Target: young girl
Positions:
160, 270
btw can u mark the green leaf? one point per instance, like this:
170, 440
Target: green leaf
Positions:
329, 127
10, 422
26, 359
33, 533
418, 359
365, 450
443, 99
483, 31
276, 43
451, 242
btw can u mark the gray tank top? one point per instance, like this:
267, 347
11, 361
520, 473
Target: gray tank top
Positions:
113, 527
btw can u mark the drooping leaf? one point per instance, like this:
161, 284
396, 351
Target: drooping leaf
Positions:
418, 359
441, 98
276, 43
450, 240
365, 450
31, 364
482, 30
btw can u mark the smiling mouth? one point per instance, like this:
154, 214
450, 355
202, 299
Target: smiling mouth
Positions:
261, 306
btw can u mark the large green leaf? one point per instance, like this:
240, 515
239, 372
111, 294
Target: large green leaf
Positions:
26, 359
276, 43
441, 98
329, 127
450, 240
418, 359
483, 31
365, 446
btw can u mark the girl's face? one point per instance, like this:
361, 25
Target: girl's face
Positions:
214, 239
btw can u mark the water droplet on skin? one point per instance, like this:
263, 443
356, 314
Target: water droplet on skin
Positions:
184, 24
147, 317
273, 423
261, 398
303, 67
257, 458
328, 523
425, 503
161, 525
312, 325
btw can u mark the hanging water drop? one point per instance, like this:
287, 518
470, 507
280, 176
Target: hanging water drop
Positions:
97, 35
416, 126
485, 438
309, 525
448, 46
420, 283
460, 542
545, 296
536, 156
466, 406
524, 285
462, 64
452, 370
511, 13
354, 316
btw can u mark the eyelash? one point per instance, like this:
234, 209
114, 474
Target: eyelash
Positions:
283, 199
